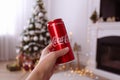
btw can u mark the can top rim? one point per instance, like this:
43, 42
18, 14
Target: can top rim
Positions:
55, 20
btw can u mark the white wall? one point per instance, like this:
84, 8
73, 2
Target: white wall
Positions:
74, 13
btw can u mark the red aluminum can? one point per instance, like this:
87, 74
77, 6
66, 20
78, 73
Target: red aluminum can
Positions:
59, 38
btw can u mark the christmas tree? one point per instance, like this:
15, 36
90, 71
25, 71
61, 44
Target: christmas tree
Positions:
34, 38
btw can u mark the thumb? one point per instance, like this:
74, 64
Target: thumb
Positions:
61, 52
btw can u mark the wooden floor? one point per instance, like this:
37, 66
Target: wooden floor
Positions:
21, 75
7, 75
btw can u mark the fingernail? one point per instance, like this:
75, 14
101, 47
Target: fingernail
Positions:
66, 48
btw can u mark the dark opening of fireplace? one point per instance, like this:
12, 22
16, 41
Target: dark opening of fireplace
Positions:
110, 8
108, 54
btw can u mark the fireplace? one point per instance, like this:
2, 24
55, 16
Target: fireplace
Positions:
103, 46
108, 54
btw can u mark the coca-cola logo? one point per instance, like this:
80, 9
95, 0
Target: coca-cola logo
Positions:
60, 40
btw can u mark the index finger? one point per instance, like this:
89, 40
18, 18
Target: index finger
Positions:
47, 49
61, 52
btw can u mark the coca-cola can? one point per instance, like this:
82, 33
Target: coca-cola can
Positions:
60, 40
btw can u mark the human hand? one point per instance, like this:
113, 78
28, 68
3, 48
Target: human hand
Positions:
46, 64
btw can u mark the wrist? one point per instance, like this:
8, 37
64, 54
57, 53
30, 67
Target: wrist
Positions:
39, 72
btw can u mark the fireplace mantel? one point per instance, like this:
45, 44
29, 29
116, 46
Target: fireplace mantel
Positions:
98, 30
106, 25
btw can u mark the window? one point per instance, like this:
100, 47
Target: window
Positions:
7, 16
